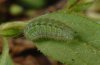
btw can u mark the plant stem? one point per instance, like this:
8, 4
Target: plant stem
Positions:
5, 57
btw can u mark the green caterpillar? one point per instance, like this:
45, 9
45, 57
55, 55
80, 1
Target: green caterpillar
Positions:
49, 29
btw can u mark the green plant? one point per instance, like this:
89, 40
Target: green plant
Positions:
82, 50
66, 36
8, 30
5, 58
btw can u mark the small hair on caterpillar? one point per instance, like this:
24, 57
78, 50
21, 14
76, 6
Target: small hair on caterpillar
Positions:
44, 28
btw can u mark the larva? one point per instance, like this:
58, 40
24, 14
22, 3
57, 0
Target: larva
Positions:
48, 29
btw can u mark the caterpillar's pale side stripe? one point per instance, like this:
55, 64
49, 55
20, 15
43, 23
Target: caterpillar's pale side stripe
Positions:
48, 29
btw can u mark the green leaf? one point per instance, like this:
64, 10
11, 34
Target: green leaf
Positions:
82, 51
5, 57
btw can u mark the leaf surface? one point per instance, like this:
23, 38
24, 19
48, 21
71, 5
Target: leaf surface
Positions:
84, 51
